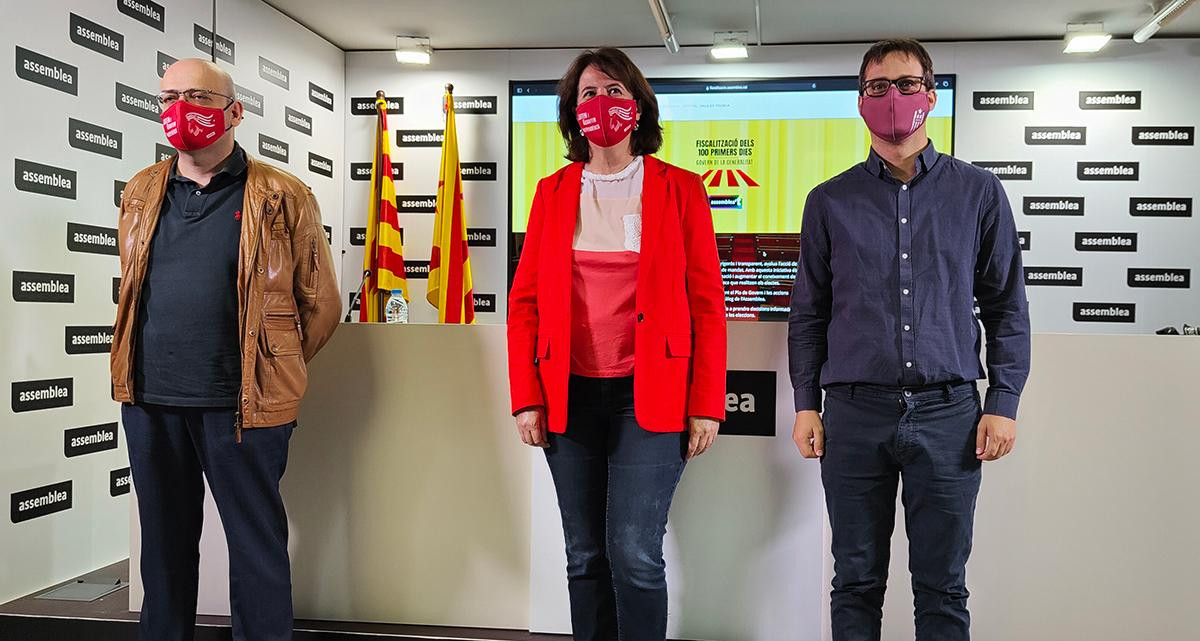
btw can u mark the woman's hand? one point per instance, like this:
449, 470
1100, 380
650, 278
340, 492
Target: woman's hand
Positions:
702, 431
531, 425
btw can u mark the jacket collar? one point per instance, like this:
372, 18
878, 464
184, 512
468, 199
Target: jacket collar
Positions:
573, 173
234, 165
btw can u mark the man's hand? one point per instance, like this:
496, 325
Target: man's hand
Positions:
531, 425
809, 434
995, 438
701, 434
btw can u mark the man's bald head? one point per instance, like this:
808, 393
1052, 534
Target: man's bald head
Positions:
211, 87
197, 73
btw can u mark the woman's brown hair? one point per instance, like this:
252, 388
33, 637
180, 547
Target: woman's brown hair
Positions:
646, 137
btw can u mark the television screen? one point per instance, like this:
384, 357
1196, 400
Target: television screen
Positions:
759, 145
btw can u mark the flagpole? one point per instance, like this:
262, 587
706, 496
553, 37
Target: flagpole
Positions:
376, 189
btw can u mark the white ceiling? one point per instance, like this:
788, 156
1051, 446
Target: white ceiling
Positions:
503, 24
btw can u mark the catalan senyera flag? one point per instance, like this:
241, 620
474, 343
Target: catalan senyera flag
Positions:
384, 254
450, 286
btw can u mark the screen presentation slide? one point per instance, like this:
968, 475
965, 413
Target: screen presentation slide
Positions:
759, 145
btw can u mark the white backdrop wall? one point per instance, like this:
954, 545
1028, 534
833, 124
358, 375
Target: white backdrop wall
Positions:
1083, 240
92, 68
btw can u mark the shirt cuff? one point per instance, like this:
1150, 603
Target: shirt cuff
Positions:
808, 398
1001, 403
529, 407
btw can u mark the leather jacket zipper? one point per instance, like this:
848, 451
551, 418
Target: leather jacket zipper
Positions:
142, 259
313, 265
239, 419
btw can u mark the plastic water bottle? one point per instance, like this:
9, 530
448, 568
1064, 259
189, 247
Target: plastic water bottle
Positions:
396, 310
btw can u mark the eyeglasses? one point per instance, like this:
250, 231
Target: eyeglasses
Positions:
202, 97
907, 85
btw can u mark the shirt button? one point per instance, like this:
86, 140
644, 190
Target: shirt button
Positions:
641, 317
904, 187
905, 292
908, 364
906, 392
903, 221
904, 256
197, 192
908, 328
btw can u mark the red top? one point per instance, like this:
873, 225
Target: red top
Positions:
603, 313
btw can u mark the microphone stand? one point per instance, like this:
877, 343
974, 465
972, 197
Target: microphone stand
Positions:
357, 295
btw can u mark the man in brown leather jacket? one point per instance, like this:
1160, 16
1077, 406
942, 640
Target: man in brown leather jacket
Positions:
227, 291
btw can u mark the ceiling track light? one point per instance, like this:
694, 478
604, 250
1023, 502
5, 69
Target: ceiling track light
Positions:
729, 45
413, 50
663, 20
1161, 19
1085, 37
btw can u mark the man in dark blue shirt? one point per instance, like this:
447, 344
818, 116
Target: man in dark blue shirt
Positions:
186, 353
895, 253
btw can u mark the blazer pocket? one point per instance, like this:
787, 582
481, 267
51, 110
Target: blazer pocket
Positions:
543, 347
679, 345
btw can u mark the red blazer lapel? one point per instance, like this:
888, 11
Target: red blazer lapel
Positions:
566, 208
654, 208
564, 215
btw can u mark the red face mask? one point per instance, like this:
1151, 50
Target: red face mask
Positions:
190, 127
606, 120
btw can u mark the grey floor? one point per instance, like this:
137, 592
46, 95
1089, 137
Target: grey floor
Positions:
115, 607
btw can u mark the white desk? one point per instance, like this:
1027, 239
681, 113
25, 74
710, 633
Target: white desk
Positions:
411, 500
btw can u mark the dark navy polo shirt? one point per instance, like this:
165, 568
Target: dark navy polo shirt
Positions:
187, 352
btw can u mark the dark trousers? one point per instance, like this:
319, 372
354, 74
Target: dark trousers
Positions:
615, 482
169, 449
874, 437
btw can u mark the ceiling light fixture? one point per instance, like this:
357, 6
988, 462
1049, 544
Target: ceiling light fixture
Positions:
413, 50
1161, 19
1085, 37
659, 10
729, 45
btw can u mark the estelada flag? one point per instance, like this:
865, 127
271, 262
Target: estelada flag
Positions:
450, 285
384, 255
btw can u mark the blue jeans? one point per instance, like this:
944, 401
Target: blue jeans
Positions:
615, 482
874, 437
169, 448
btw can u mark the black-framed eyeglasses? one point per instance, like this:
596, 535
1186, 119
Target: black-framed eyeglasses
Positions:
201, 97
907, 85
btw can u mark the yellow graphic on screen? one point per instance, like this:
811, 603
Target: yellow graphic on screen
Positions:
784, 158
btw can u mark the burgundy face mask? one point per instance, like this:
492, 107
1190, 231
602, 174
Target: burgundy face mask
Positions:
895, 116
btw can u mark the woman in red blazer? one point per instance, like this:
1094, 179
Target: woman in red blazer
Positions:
616, 342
